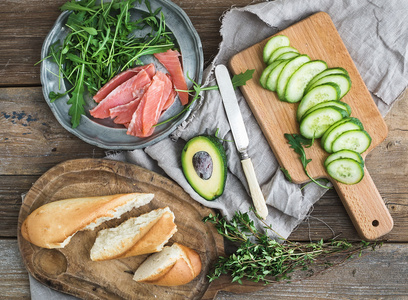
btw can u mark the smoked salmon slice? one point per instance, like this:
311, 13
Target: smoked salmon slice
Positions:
170, 60
150, 107
122, 114
129, 90
121, 78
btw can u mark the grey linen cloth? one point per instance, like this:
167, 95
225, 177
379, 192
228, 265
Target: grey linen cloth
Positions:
376, 36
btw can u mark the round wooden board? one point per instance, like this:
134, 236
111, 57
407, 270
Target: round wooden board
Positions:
70, 269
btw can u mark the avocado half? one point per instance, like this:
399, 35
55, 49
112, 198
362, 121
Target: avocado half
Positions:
204, 165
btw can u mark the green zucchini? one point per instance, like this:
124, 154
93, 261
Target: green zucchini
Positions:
321, 93
326, 72
266, 72
344, 154
342, 80
346, 170
314, 124
356, 140
296, 85
270, 83
274, 43
287, 55
287, 72
336, 130
336, 103
279, 51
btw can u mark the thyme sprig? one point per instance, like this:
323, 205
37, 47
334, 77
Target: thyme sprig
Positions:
260, 258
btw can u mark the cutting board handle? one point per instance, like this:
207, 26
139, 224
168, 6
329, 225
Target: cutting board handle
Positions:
365, 207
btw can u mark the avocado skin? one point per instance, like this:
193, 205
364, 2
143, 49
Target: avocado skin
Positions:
213, 187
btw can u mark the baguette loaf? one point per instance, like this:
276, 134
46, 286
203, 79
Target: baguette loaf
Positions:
175, 265
54, 224
147, 233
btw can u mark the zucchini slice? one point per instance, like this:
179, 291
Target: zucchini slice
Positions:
297, 83
279, 51
314, 124
266, 72
270, 83
326, 72
356, 140
346, 170
342, 80
274, 43
344, 154
321, 93
333, 133
287, 72
336, 103
287, 55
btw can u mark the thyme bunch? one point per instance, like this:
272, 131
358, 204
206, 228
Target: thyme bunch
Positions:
260, 258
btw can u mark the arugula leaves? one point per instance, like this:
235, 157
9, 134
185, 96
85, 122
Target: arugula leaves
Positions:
101, 43
297, 142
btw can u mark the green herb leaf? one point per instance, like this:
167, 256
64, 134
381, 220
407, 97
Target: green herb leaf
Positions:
242, 78
296, 142
260, 258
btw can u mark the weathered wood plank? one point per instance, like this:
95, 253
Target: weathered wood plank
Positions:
353, 279
382, 274
13, 274
31, 138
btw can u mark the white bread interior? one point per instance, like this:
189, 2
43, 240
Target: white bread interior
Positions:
175, 265
54, 224
147, 233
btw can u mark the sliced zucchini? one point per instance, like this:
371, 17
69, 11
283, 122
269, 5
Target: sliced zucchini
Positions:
350, 124
336, 103
346, 170
326, 72
356, 140
344, 154
279, 51
287, 55
314, 124
274, 74
274, 43
342, 80
266, 72
321, 93
287, 72
296, 85
335, 125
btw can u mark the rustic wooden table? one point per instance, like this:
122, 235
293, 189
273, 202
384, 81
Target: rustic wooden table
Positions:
32, 141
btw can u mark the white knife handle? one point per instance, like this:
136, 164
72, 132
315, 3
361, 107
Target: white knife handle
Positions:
255, 190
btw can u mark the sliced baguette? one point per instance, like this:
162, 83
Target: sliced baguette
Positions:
147, 233
54, 224
175, 265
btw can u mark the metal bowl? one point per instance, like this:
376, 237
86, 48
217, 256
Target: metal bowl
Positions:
104, 133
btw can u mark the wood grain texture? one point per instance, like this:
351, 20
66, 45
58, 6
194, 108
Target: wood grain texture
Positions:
386, 265
71, 270
317, 37
23, 27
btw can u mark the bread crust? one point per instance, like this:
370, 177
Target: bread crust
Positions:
181, 271
53, 224
150, 239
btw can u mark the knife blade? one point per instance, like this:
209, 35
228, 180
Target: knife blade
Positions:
240, 135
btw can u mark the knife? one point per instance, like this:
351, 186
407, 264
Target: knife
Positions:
240, 136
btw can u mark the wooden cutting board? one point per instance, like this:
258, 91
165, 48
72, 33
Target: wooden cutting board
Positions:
317, 37
70, 269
